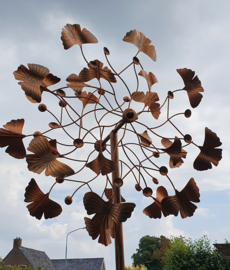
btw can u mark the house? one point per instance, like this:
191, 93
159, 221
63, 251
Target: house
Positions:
22, 256
76, 264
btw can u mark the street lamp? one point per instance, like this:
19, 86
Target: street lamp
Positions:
66, 245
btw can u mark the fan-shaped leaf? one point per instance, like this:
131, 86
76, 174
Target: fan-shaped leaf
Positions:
154, 210
44, 158
149, 100
34, 79
76, 83
192, 86
106, 213
150, 78
208, 152
73, 35
181, 201
41, 204
141, 42
96, 71
101, 165
145, 139
175, 152
87, 98
12, 137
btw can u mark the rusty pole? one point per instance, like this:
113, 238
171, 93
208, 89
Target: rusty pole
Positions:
118, 230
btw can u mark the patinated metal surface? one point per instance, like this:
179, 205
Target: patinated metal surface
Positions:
91, 113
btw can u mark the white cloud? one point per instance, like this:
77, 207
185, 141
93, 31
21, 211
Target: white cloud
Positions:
204, 212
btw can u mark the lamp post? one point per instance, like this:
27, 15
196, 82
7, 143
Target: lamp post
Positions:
66, 245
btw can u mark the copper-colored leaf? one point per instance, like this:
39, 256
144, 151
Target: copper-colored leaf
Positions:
145, 139
106, 213
208, 152
45, 158
101, 165
150, 78
154, 210
33, 79
109, 194
40, 202
175, 152
149, 100
141, 42
192, 86
181, 201
73, 35
104, 235
12, 137
87, 98
96, 71
76, 83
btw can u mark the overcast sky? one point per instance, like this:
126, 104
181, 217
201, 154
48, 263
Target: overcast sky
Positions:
191, 34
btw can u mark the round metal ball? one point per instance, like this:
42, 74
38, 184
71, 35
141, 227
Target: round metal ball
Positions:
37, 133
187, 113
78, 143
163, 170
147, 192
187, 138
138, 187
170, 94
42, 107
68, 200
106, 51
136, 60
118, 182
59, 180
155, 181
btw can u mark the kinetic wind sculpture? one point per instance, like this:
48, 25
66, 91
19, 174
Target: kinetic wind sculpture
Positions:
91, 120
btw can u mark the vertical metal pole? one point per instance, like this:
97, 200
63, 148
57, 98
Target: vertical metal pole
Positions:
119, 246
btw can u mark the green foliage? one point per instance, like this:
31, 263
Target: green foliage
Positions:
185, 254
147, 245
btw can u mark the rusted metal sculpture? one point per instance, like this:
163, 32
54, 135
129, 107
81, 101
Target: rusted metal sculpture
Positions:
91, 121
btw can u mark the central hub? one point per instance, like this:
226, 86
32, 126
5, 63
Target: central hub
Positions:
129, 115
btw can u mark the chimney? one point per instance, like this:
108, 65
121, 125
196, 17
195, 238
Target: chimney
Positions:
17, 243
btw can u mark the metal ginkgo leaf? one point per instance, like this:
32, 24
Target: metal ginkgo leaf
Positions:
87, 98
40, 203
76, 83
12, 137
141, 42
149, 99
73, 35
208, 152
175, 152
97, 71
181, 201
34, 79
145, 139
45, 158
150, 78
192, 86
101, 165
154, 210
106, 213
96, 230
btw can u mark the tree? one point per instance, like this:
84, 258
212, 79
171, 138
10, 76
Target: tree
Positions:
185, 254
147, 245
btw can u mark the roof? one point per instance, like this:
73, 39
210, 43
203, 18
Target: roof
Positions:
37, 258
75, 264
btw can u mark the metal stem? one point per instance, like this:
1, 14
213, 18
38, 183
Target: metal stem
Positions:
66, 245
119, 245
